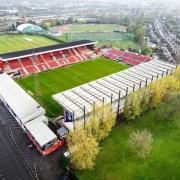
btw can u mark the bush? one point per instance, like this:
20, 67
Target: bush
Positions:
140, 142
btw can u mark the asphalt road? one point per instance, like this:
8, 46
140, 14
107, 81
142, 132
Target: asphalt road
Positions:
43, 167
12, 166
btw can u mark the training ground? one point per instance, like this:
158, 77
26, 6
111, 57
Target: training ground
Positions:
11, 43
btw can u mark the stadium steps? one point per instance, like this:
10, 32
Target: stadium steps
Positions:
45, 63
78, 51
23, 72
72, 51
77, 59
66, 62
75, 52
80, 57
84, 56
61, 61
42, 67
71, 59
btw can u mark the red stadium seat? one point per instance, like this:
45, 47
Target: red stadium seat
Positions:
32, 69
26, 62
53, 64
46, 61
128, 57
47, 57
14, 64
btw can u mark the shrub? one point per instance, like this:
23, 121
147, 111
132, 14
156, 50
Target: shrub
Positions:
140, 142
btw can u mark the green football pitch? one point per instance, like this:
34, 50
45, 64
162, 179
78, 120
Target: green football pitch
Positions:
93, 27
61, 79
10, 43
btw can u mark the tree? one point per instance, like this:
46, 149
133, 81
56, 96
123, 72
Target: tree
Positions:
132, 107
138, 31
157, 92
147, 51
83, 149
172, 84
108, 121
169, 107
101, 121
144, 97
176, 73
141, 142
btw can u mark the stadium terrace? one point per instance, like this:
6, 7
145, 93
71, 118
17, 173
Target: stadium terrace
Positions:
78, 102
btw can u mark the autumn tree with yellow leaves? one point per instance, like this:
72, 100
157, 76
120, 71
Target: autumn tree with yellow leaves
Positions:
101, 121
83, 142
83, 149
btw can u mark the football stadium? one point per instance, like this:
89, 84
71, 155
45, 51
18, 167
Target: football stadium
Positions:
64, 80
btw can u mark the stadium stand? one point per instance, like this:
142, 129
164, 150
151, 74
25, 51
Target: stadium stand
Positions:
77, 102
36, 60
126, 57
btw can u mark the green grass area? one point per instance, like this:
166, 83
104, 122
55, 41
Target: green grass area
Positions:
10, 43
116, 161
122, 44
97, 36
58, 80
93, 27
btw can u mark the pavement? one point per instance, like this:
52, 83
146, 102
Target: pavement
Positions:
11, 164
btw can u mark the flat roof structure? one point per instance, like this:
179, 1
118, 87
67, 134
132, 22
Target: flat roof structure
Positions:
40, 131
46, 49
24, 107
79, 101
